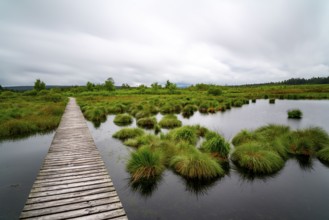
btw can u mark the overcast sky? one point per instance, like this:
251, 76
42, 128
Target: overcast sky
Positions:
184, 41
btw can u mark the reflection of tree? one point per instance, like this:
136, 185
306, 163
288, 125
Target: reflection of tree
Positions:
145, 186
305, 162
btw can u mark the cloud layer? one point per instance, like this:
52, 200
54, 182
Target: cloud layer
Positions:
223, 42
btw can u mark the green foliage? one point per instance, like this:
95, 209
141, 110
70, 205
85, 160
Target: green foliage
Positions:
185, 133
189, 110
323, 154
39, 85
148, 122
216, 145
253, 158
170, 121
127, 133
196, 165
271, 101
215, 91
109, 84
90, 86
295, 113
145, 163
123, 119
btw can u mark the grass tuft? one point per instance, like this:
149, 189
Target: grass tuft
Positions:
123, 119
170, 121
127, 133
295, 114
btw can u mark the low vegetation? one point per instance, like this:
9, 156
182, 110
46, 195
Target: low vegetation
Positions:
170, 121
295, 113
127, 133
123, 119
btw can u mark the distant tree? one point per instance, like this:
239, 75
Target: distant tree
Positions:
170, 86
90, 86
125, 86
1, 88
155, 86
109, 84
142, 88
39, 85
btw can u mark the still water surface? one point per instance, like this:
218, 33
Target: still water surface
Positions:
299, 191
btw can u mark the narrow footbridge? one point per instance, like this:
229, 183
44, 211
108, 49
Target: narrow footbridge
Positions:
73, 182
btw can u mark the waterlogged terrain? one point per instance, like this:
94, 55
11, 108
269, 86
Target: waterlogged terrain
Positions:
20, 161
298, 191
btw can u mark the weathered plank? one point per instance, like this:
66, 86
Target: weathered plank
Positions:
73, 181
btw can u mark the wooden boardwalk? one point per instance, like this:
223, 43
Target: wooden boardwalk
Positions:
73, 182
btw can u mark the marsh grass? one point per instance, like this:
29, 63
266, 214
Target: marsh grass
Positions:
123, 119
127, 133
148, 122
323, 154
255, 159
145, 163
295, 114
189, 110
216, 146
170, 121
185, 133
271, 101
196, 165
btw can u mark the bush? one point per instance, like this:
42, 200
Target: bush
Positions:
170, 121
145, 164
295, 113
123, 119
215, 91
127, 133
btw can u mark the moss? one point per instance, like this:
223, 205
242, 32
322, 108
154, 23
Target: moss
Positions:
123, 119
170, 121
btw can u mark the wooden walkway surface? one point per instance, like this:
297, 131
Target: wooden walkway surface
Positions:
73, 181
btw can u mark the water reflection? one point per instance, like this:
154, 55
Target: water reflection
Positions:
145, 187
199, 187
247, 176
305, 162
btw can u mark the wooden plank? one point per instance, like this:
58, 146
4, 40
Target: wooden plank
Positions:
73, 181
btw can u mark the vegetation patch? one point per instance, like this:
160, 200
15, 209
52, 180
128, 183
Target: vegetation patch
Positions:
170, 121
148, 122
216, 145
295, 113
123, 119
127, 133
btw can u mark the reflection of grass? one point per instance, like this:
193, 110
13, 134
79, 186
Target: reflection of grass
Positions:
145, 186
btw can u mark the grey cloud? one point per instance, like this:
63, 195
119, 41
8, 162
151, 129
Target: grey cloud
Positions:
225, 42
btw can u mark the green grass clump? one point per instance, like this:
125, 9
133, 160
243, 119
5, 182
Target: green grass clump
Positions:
145, 163
255, 159
295, 113
95, 114
216, 145
123, 119
323, 154
243, 137
127, 133
196, 165
170, 121
271, 101
308, 141
148, 122
142, 114
185, 133
189, 110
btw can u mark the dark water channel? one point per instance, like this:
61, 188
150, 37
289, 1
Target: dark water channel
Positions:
299, 191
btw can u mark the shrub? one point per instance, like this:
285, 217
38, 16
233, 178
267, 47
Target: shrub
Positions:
170, 121
196, 165
127, 133
148, 122
295, 113
255, 159
123, 119
145, 164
